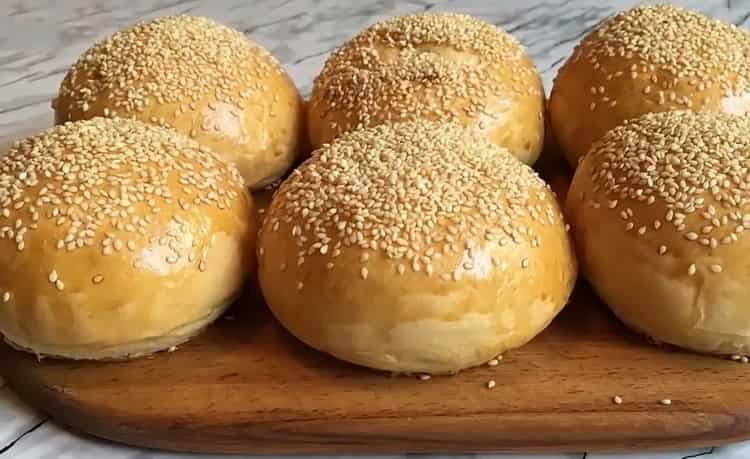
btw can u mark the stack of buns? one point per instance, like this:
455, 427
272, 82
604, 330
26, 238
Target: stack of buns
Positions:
415, 238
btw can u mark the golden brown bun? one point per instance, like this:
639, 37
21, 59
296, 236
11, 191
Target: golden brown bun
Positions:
415, 247
659, 209
439, 67
117, 239
201, 78
647, 59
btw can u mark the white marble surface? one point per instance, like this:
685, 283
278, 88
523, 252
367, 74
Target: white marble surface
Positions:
40, 39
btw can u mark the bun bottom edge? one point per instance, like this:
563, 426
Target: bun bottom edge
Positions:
126, 351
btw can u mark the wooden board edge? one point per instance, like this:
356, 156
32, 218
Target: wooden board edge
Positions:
590, 431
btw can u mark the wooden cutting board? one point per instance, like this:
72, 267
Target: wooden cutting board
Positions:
246, 386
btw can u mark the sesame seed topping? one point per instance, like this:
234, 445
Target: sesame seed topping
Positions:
691, 269
665, 401
84, 179
166, 61
404, 191
97, 279
715, 268
690, 165
670, 47
493, 362
424, 377
390, 68
6, 297
617, 400
491, 384
675, 45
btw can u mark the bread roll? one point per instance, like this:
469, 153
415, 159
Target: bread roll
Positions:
415, 247
118, 239
201, 78
659, 209
439, 67
648, 59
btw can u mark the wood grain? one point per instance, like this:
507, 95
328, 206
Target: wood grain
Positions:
246, 386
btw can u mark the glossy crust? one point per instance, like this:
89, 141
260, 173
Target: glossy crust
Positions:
648, 59
157, 255
488, 278
437, 67
671, 264
201, 78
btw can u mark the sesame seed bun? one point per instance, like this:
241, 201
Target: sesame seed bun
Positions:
118, 239
415, 247
201, 78
439, 67
659, 209
643, 60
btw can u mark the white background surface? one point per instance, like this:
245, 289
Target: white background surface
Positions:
40, 39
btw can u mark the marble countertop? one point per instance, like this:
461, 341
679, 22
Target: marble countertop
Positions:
40, 39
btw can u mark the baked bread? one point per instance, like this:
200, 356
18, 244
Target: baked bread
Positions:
659, 209
415, 247
438, 67
200, 78
118, 239
648, 59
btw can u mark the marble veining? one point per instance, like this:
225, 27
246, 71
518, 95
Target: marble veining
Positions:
39, 39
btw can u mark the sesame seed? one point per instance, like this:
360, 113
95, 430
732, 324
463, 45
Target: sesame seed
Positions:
493, 362
161, 61
424, 377
84, 207
97, 279
59, 285
688, 162
665, 401
491, 384
525, 263
617, 400
52, 277
419, 86
674, 45
6, 297
374, 212
300, 285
